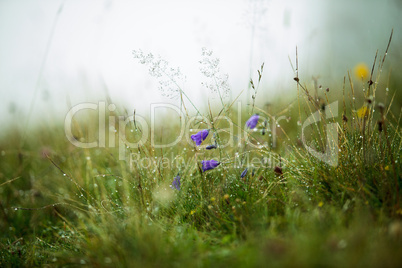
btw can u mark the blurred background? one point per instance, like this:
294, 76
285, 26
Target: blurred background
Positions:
56, 54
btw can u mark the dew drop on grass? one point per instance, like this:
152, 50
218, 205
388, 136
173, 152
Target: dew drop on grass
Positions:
64, 174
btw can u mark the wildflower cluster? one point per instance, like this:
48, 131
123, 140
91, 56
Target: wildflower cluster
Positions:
211, 164
198, 139
169, 80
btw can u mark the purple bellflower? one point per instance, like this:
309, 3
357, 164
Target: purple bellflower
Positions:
200, 136
252, 121
176, 183
209, 164
244, 173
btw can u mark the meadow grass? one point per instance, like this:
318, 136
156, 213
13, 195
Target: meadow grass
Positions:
62, 205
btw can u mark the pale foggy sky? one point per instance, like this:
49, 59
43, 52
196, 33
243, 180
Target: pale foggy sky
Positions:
91, 47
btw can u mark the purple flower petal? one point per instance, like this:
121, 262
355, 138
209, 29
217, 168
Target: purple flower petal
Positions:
176, 183
252, 121
200, 136
209, 164
244, 173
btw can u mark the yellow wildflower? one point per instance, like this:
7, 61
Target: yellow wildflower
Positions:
362, 112
362, 71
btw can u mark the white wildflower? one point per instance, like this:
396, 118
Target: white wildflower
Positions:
169, 78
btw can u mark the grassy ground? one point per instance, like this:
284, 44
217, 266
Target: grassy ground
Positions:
62, 205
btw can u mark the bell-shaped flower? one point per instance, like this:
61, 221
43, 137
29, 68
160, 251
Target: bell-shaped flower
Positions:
209, 164
244, 173
200, 136
176, 183
252, 121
